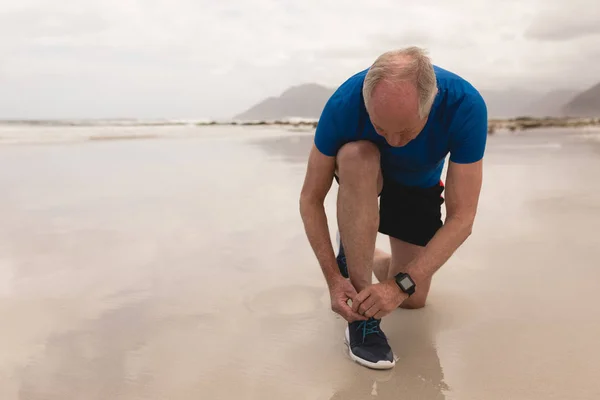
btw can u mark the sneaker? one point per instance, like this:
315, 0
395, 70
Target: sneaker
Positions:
341, 257
368, 345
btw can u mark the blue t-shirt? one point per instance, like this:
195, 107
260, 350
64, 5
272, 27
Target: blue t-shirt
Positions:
457, 125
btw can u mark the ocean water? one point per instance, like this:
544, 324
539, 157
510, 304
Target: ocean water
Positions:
32, 133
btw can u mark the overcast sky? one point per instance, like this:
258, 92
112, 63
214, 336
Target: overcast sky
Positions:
214, 58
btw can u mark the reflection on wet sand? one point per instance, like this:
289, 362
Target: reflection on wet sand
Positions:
293, 148
418, 370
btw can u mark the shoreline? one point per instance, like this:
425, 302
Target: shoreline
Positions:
494, 124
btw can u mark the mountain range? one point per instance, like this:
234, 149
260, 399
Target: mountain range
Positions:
308, 100
585, 104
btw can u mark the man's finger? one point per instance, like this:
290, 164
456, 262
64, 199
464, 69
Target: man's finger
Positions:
365, 305
380, 314
371, 311
349, 315
362, 296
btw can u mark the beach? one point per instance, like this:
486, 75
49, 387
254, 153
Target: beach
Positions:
170, 262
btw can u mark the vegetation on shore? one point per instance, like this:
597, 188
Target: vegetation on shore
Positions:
524, 123
303, 123
494, 125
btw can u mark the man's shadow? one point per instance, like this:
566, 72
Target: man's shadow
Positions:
417, 374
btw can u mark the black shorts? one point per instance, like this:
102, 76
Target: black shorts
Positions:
411, 214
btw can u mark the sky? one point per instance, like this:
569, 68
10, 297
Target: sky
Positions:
213, 59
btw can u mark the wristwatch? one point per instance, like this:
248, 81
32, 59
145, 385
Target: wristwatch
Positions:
405, 282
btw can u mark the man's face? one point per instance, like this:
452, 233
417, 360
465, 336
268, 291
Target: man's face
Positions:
393, 111
399, 133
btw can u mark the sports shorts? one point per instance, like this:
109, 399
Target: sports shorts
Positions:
408, 213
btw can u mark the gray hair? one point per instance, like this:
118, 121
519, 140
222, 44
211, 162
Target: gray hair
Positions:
409, 64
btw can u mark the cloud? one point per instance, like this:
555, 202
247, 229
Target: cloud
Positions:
565, 21
566, 30
204, 58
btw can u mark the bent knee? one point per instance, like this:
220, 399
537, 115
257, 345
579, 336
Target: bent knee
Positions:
358, 157
358, 152
413, 305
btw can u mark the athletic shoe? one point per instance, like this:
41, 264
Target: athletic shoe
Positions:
341, 257
368, 345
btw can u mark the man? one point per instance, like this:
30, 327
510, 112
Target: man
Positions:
384, 135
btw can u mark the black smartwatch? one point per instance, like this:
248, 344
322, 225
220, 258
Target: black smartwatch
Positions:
405, 283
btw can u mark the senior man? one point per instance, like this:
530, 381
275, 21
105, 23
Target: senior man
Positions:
384, 135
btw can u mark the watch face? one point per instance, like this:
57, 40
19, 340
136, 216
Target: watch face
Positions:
406, 283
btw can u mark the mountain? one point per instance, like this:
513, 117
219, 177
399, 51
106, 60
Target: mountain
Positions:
507, 103
585, 104
511, 103
303, 101
550, 104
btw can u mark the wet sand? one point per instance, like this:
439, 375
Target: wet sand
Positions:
177, 268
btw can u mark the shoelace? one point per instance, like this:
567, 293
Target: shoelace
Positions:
368, 327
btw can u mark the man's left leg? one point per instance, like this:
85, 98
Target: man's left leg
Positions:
410, 217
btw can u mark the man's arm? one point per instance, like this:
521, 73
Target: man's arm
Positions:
319, 176
463, 186
317, 182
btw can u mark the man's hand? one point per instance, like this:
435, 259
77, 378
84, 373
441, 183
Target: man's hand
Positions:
340, 292
378, 300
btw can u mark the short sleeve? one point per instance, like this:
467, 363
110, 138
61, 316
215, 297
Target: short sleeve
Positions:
332, 128
469, 131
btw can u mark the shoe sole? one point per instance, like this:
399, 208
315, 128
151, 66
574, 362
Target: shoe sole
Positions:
365, 363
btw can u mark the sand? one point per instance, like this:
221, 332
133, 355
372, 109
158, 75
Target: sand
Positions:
175, 266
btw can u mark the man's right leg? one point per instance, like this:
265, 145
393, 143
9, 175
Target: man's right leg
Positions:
358, 208
358, 221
